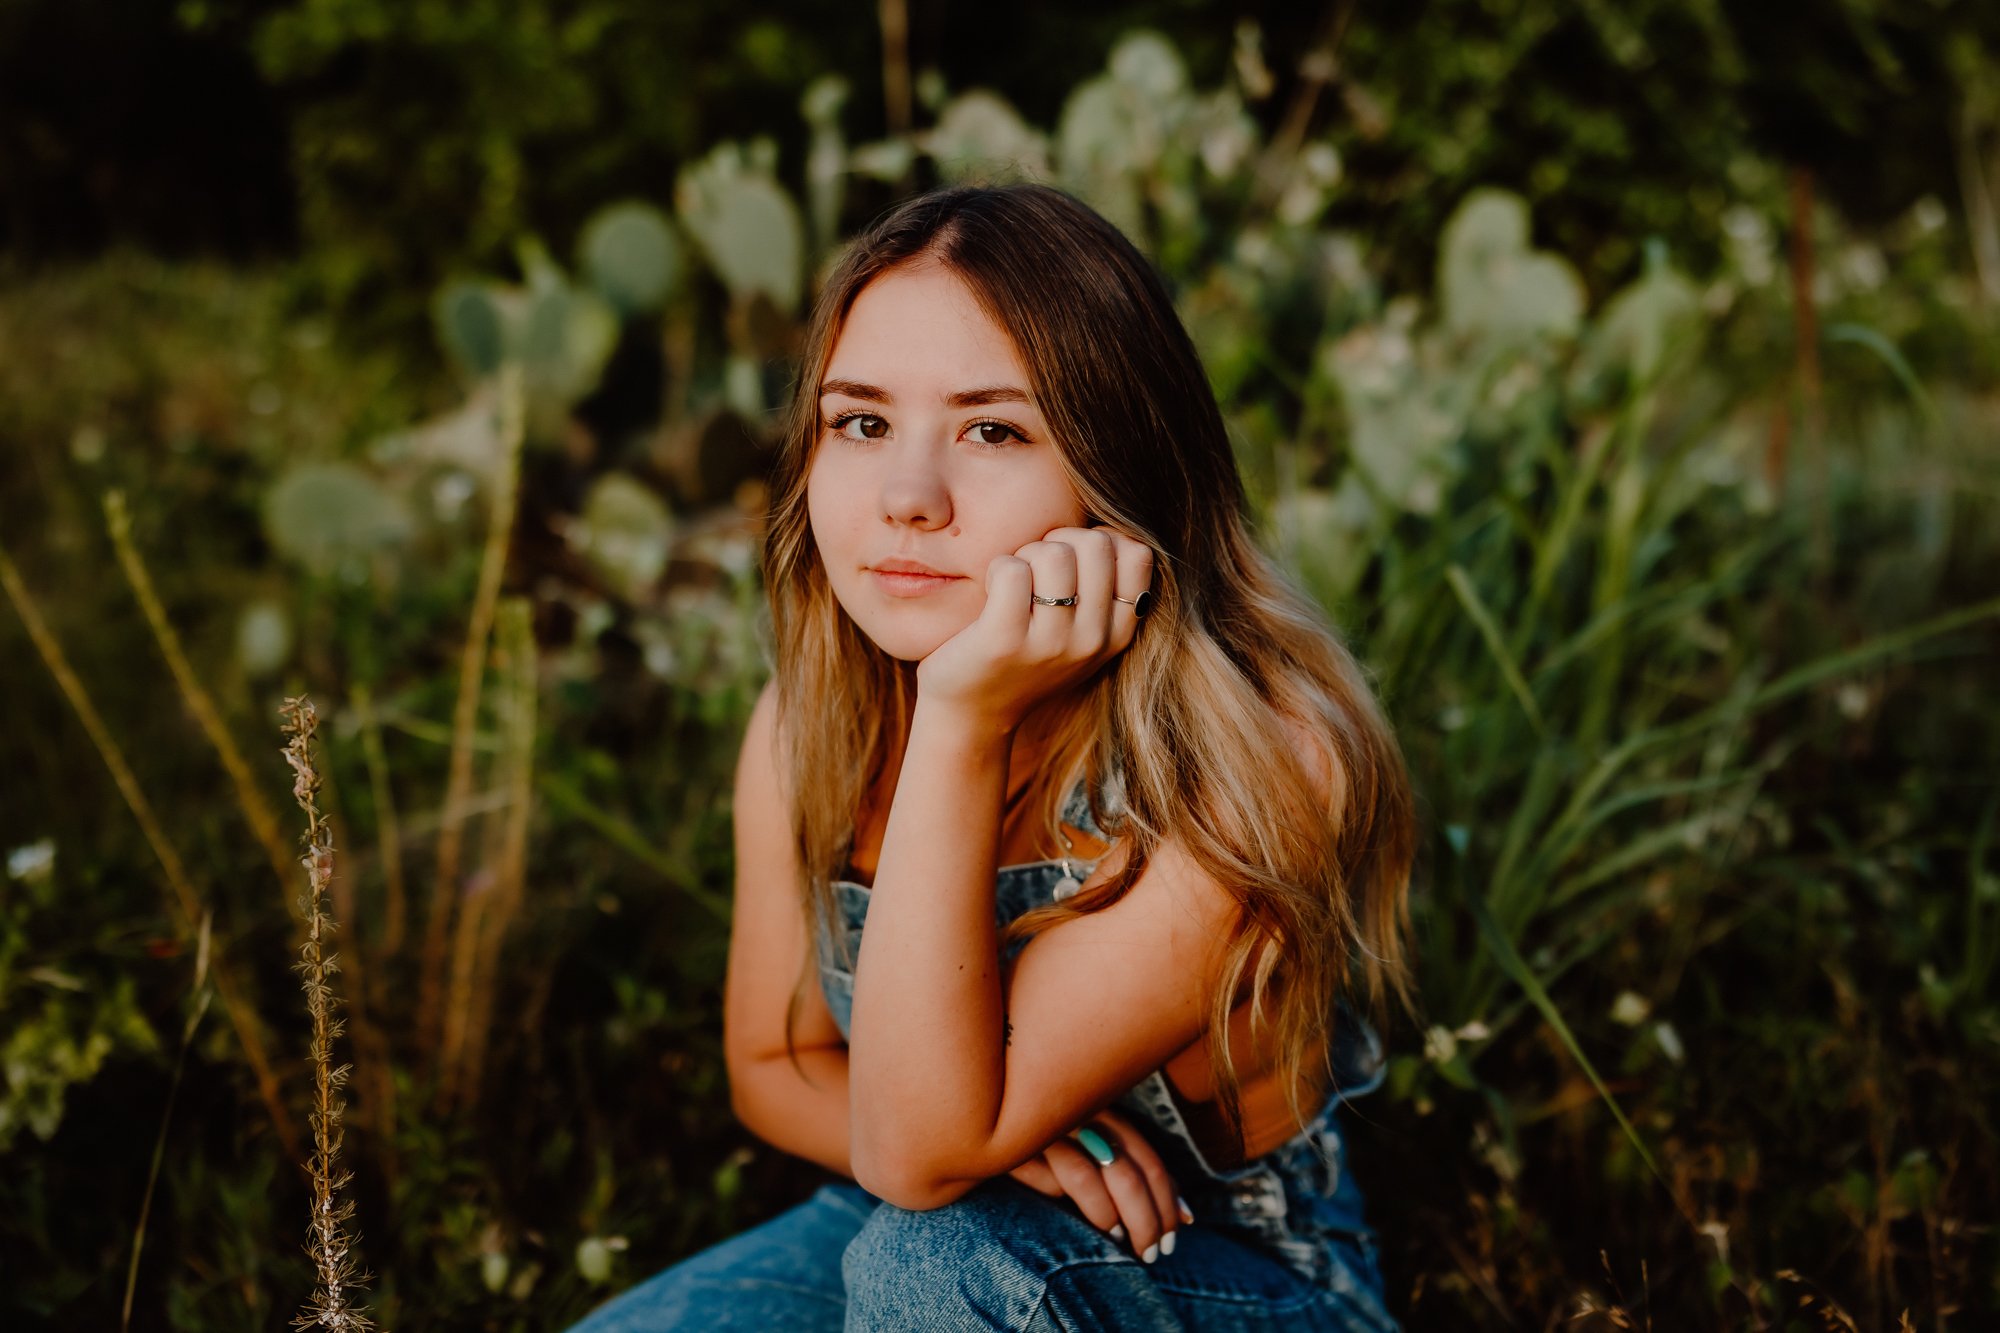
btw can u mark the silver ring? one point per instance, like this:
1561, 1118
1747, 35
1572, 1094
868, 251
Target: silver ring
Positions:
1052, 601
1142, 605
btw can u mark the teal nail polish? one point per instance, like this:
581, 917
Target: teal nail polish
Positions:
1097, 1146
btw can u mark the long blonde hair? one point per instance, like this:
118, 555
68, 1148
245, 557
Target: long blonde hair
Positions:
1200, 717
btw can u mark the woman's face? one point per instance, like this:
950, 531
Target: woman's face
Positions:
931, 457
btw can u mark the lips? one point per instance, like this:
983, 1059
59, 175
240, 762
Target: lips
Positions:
909, 578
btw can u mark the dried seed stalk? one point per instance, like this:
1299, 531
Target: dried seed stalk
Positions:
331, 1247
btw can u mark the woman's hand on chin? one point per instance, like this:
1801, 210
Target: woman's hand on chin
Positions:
1020, 652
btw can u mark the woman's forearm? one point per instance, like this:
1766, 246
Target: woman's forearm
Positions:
926, 1044
802, 1114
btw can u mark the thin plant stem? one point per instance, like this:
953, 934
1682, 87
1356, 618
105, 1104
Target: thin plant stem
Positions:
249, 795
336, 1271
471, 672
202, 994
388, 829
893, 16
242, 1017
1318, 69
517, 664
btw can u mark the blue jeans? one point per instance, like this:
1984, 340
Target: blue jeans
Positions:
1001, 1257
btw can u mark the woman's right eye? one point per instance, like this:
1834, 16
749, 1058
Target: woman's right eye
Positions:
872, 426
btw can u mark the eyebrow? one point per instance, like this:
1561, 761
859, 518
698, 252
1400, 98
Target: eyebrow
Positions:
981, 397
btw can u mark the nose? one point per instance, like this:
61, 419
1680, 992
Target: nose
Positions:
915, 492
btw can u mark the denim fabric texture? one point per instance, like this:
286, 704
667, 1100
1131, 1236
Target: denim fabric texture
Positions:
1277, 1242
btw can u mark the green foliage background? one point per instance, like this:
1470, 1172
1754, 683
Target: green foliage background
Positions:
1686, 619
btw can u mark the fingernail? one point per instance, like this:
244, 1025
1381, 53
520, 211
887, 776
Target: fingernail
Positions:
1152, 1253
1167, 1243
1118, 1231
1186, 1216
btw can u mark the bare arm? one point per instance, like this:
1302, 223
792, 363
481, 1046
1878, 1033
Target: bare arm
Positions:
940, 1097
805, 1114
804, 1109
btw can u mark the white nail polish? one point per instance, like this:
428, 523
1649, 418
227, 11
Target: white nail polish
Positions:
1118, 1231
1167, 1243
1152, 1253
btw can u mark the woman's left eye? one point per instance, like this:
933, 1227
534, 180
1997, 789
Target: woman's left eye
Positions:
1000, 430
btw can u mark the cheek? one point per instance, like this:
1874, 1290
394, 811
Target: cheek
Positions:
825, 509
1032, 504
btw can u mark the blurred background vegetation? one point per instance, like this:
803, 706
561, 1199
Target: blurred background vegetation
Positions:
1623, 378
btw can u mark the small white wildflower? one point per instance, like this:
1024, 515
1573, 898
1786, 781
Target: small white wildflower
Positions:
593, 1259
33, 861
1670, 1041
1630, 1008
1440, 1045
449, 494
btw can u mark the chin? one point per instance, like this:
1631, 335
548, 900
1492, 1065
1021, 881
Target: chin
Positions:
907, 641
905, 646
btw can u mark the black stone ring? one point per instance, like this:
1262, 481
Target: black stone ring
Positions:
1142, 605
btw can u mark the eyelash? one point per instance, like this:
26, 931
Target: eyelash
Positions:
834, 423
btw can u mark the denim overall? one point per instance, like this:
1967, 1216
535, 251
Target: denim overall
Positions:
1278, 1243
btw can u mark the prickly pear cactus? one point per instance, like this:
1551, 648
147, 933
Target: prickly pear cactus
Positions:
979, 135
1646, 331
625, 532
746, 225
1405, 409
470, 326
629, 255
1118, 131
1493, 285
563, 338
559, 333
826, 157
332, 517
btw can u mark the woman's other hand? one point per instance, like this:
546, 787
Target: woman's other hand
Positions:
1133, 1191
1020, 652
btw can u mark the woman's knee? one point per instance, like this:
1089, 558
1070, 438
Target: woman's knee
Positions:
1001, 1257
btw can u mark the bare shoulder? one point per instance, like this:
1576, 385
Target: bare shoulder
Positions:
760, 762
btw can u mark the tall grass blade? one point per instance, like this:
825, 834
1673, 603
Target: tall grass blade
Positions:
1522, 975
1489, 631
388, 826
203, 992
1891, 356
567, 800
257, 810
242, 1016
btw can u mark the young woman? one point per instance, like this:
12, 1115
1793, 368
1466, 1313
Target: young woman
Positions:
1120, 816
